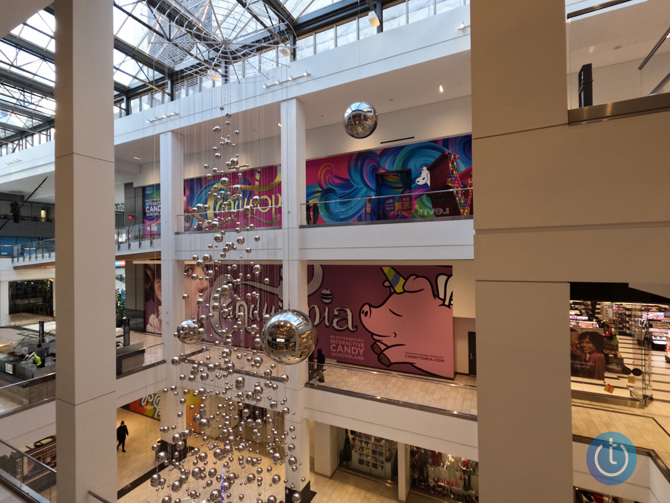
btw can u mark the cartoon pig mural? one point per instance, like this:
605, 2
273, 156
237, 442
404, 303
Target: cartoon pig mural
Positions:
414, 324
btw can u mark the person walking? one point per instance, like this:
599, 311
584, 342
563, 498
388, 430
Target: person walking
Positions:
320, 361
121, 434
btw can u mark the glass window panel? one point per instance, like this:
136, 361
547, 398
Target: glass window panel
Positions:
365, 29
305, 47
445, 5
192, 86
145, 102
347, 32
419, 9
251, 66
42, 21
131, 31
395, 16
180, 90
268, 60
35, 36
325, 40
236, 72
135, 105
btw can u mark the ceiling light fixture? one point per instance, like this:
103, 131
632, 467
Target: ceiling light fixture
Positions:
137, 157
284, 50
462, 26
171, 114
290, 79
440, 88
213, 74
373, 19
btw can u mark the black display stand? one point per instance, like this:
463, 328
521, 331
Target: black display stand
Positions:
306, 495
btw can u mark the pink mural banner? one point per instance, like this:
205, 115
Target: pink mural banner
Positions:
394, 317
391, 317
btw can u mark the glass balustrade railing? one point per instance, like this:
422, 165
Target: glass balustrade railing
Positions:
213, 220
29, 392
30, 476
406, 207
137, 233
40, 249
458, 397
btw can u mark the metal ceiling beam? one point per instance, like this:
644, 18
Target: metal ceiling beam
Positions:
24, 132
29, 47
14, 128
26, 112
49, 56
141, 57
21, 82
281, 10
181, 18
332, 15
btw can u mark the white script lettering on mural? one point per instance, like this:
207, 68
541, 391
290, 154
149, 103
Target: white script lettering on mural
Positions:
338, 322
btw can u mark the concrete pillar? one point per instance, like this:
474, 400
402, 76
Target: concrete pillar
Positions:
4, 303
84, 152
172, 277
404, 472
294, 274
523, 392
326, 452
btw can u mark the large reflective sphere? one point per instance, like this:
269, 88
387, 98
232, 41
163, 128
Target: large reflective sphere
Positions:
289, 337
360, 120
187, 332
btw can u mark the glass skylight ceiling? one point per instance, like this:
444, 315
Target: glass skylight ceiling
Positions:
156, 41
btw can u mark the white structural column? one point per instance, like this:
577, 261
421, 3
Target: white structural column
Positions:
294, 274
4, 303
172, 205
325, 449
404, 472
86, 384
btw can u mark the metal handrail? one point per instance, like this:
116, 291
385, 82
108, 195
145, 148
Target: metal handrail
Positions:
32, 381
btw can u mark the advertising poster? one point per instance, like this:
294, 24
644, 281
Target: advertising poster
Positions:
153, 322
410, 181
391, 317
151, 210
262, 182
587, 353
147, 406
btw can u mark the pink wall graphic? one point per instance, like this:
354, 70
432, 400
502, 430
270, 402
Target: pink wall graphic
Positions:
390, 317
398, 318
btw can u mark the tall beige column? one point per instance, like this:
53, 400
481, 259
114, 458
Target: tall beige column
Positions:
294, 274
86, 383
523, 370
523, 392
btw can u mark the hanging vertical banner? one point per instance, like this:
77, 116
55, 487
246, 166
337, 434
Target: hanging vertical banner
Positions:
151, 210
